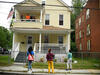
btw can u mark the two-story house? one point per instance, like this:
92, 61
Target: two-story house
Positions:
42, 25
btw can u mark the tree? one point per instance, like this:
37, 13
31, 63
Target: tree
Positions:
5, 38
75, 13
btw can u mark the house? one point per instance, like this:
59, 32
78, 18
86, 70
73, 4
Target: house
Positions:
87, 28
42, 25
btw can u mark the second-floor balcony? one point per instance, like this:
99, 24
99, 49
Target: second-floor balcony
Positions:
27, 23
28, 16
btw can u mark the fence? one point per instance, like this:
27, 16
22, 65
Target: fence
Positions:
90, 59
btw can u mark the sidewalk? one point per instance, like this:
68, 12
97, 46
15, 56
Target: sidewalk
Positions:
19, 68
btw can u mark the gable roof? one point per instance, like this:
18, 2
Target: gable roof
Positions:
25, 2
64, 4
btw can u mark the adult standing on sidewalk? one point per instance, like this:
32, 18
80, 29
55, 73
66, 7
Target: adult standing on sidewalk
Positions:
69, 61
30, 55
49, 58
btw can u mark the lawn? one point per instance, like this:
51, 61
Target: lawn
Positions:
82, 64
5, 60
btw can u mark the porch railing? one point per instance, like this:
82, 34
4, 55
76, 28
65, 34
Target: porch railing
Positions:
15, 51
56, 48
26, 20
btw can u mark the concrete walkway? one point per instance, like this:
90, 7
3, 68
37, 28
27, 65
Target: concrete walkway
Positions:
19, 68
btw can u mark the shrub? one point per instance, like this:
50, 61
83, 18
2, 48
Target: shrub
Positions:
55, 60
42, 59
65, 59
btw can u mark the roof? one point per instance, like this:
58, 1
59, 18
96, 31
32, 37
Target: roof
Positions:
52, 28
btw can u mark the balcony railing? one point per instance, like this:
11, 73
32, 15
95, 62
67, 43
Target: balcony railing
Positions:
27, 20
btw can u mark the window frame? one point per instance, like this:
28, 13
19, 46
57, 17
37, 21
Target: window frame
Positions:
61, 19
47, 19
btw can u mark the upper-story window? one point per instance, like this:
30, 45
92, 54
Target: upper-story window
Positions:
88, 29
47, 19
60, 39
87, 13
80, 34
80, 46
61, 19
88, 45
80, 21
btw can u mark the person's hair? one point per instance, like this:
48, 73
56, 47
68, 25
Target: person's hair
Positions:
49, 50
69, 50
30, 49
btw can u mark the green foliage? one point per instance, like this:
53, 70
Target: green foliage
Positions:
5, 38
75, 13
73, 47
5, 60
65, 60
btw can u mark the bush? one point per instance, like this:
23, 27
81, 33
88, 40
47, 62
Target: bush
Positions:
55, 60
42, 59
65, 60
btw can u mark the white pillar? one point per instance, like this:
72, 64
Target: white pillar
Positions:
41, 15
68, 41
13, 46
40, 43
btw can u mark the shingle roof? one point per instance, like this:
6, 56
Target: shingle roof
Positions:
52, 28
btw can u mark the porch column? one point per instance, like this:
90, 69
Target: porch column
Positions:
13, 46
68, 41
40, 43
41, 15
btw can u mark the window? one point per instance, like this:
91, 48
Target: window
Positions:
88, 29
80, 46
80, 21
87, 13
60, 39
80, 34
88, 45
60, 19
47, 21
46, 39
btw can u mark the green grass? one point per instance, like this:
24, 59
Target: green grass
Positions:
5, 60
82, 64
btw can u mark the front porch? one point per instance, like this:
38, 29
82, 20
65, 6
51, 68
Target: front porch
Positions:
40, 40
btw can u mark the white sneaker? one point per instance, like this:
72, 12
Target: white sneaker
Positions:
29, 72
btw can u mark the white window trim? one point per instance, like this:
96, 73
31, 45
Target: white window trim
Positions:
87, 13
80, 46
45, 20
88, 45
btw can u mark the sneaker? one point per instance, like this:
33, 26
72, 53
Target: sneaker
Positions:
29, 72
67, 69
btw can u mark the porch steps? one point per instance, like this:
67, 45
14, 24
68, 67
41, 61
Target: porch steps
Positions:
21, 58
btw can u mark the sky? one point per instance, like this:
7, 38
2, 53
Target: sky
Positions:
5, 8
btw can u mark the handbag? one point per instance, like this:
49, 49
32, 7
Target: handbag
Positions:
30, 57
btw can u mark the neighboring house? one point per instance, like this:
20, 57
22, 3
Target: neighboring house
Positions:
41, 26
88, 28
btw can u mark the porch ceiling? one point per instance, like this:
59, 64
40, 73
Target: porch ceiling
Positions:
36, 30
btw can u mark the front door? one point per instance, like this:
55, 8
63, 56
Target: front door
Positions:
29, 41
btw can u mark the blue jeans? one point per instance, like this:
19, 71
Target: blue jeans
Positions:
29, 65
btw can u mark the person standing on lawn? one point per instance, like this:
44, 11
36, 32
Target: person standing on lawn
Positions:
30, 55
49, 58
69, 61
